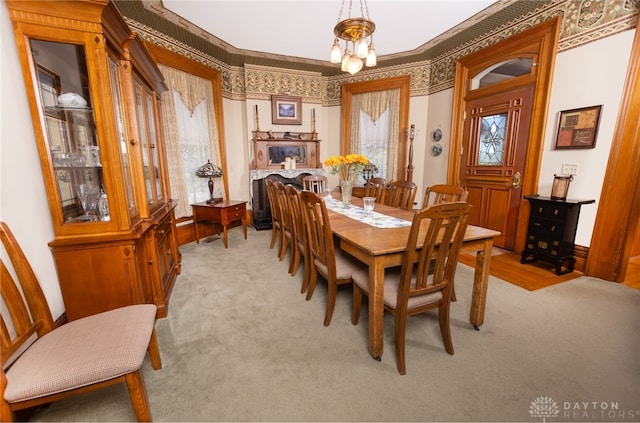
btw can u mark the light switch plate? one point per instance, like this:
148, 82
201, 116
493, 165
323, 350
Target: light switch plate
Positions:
569, 169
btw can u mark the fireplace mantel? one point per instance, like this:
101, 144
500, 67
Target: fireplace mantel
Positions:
271, 148
257, 174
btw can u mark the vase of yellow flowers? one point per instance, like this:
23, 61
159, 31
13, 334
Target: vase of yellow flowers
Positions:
347, 168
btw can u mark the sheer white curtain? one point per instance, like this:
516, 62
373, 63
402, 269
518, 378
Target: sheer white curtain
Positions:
374, 129
191, 137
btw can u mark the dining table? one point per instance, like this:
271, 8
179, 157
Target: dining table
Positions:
379, 239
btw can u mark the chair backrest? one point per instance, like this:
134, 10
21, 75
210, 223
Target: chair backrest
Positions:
401, 194
283, 207
443, 193
315, 183
442, 238
28, 314
297, 218
376, 187
319, 233
273, 202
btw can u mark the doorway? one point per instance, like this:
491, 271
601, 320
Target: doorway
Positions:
519, 67
496, 133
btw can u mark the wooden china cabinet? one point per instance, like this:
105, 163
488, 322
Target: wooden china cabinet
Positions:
94, 96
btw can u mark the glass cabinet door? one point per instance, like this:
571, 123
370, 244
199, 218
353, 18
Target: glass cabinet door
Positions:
122, 137
70, 130
146, 117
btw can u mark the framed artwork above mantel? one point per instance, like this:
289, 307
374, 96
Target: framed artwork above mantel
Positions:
286, 110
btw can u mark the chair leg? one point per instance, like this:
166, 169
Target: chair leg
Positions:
305, 278
356, 304
445, 328
331, 301
274, 236
400, 329
453, 292
154, 351
283, 247
138, 396
313, 278
295, 259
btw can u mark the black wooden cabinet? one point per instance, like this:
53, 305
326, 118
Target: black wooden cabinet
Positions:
552, 231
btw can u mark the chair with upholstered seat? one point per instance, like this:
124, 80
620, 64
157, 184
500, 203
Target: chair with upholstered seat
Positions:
442, 193
401, 194
42, 363
334, 265
435, 237
315, 183
300, 247
276, 220
376, 187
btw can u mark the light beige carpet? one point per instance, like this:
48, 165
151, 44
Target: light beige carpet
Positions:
241, 344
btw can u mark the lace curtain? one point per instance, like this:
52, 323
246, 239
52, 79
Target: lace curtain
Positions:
374, 129
191, 137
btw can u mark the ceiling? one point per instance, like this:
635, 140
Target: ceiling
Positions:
304, 28
298, 34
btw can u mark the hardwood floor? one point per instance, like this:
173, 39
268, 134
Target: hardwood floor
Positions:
632, 277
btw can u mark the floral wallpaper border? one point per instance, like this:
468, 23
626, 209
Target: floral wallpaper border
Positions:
583, 21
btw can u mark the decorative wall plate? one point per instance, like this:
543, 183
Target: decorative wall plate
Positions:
436, 149
437, 135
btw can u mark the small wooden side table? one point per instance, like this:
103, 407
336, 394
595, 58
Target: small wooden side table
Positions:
224, 213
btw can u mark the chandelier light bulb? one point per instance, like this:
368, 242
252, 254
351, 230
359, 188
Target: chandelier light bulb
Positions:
345, 59
336, 54
361, 48
371, 56
354, 64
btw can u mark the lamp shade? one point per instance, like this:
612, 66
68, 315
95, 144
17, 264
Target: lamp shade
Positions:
209, 170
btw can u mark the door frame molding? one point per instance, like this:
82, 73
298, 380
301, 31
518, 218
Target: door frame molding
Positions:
541, 41
617, 223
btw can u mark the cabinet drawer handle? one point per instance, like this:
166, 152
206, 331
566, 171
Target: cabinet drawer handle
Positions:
132, 141
150, 262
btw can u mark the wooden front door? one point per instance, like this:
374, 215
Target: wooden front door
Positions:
496, 131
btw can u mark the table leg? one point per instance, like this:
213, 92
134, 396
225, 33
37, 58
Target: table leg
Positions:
195, 224
376, 308
244, 226
480, 284
224, 231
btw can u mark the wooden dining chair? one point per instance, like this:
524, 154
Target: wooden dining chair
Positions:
401, 194
42, 363
442, 193
334, 265
376, 187
301, 248
416, 288
287, 239
276, 220
315, 183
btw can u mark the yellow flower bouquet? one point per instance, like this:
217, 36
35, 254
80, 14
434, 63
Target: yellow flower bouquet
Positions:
347, 166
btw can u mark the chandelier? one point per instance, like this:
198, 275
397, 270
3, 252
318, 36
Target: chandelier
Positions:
358, 32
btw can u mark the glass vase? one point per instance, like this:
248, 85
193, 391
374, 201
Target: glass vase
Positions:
346, 187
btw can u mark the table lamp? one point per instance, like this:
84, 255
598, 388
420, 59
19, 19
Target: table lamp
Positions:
210, 171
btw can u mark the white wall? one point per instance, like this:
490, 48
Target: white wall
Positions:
586, 76
23, 199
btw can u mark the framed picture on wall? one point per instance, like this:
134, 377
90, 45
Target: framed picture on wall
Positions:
286, 110
577, 128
